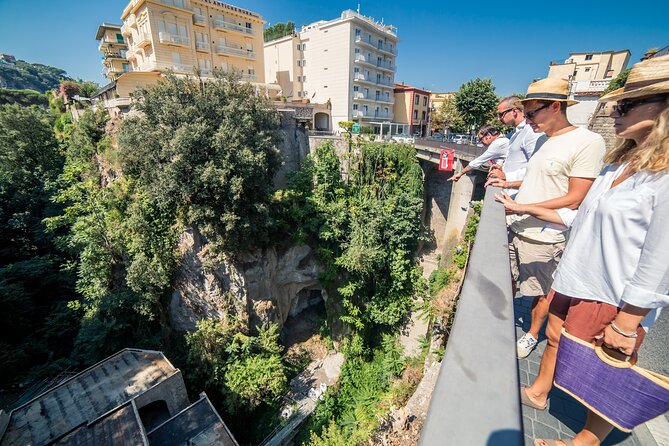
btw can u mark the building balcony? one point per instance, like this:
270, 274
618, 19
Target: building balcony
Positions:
365, 39
388, 100
199, 20
148, 66
173, 39
359, 58
178, 4
112, 71
385, 48
181, 68
106, 43
222, 24
131, 55
248, 77
591, 86
143, 39
369, 114
359, 77
223, 49
360, 96
385, 65
125, 30
202, 46
384, 83
120, 54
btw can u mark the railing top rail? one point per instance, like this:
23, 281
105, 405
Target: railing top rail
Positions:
476, 399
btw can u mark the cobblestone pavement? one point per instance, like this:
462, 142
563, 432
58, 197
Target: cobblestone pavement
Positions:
564, 415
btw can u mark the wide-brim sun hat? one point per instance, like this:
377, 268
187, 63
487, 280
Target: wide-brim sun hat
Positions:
549, 89
647, 78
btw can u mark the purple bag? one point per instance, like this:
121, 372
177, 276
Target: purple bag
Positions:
622, 393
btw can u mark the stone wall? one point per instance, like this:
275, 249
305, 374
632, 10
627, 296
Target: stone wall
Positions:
601, 123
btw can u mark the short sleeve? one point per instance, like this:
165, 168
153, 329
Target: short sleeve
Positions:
587, 162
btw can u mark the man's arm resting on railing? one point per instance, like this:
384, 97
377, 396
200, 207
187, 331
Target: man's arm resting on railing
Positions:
578, 189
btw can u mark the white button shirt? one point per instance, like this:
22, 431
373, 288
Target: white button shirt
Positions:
618, 250
496, 152
522, 145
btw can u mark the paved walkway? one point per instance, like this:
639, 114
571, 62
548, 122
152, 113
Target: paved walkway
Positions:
564, 415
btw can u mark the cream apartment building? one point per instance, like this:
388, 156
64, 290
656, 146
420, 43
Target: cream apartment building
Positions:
114, 50
348, 63
589, 74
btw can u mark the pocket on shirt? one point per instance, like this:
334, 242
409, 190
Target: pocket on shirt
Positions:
552, 167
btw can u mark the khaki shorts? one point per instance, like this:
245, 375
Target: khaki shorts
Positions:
533, 264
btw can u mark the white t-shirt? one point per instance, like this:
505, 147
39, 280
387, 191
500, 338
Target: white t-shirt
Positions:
577, 153
618, 249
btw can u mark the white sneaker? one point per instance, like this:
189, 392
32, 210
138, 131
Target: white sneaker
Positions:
525, 345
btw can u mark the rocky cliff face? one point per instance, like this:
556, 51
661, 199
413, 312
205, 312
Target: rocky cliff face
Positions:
263, 286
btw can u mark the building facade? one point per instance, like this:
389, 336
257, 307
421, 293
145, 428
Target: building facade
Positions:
114, 49
347, 63
412, 107
188, 35
589, 74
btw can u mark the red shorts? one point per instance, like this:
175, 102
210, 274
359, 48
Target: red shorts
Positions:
584, 318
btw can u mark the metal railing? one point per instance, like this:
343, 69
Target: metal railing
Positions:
173, 39
224, 49
475, 400
222, 24
362, 77
203, 46
143, 39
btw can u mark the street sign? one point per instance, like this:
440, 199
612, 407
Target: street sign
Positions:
446, 158
355, 128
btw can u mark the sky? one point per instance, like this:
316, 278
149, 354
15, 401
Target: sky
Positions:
442, 43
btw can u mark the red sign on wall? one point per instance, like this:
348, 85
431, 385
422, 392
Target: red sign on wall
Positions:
446, 158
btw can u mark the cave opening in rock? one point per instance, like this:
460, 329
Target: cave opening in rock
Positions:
306, 317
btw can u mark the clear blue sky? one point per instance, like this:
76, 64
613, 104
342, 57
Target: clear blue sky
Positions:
442, 43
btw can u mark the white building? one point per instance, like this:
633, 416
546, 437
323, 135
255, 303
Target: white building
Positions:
348, 62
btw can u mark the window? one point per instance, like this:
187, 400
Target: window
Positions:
299, 62
415, 114
588, 57
126, 67
249, 26
423, 118
355, 106
357, 51
424, 102
417, 99
357, 31
356, 88
587, 70
119, 38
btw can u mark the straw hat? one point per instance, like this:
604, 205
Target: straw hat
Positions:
549, 89
647, 78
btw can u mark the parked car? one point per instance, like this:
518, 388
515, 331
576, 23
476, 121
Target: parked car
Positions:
436, 137
460, 139
403, 137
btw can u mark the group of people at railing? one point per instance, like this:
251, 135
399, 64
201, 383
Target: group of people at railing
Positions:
588, 229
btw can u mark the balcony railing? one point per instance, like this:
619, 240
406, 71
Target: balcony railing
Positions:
143, 39
202, 46
131, 55
222, 24
362, 78
482, 367
360, 96
181, 4
121, 54
248, 77
384, 82
199, 19
386, 65
388, 100
182, 68
148, 66
362, 59
386, 48
366, 39
369, 114
223, 49
173, 39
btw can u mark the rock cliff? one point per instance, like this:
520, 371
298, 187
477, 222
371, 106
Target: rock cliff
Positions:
263, 286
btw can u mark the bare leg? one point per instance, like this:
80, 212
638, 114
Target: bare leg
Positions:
538, 391
594, 432
540, 306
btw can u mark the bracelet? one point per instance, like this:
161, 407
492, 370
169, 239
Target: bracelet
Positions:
622, 333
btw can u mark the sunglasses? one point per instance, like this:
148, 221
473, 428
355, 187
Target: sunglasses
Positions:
530, 114
501, 114
623, 107
482, 137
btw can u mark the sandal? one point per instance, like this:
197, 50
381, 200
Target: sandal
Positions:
553, 442
526, 401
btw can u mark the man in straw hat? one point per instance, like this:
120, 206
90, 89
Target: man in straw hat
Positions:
558, 176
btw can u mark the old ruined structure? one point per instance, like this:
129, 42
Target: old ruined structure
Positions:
134, 397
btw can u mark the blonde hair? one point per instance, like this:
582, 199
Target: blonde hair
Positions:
652, 155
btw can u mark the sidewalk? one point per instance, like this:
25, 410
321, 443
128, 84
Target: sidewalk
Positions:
564, 415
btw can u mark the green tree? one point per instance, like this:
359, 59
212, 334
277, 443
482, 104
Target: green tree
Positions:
618, 81
206, 152
278, 30
245, 370
448, 118
477, 102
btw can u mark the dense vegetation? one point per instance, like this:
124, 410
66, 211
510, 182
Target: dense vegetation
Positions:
278, 30
21, 75
90, 221
23, 97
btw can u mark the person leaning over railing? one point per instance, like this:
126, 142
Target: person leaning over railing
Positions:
497, 148
614, 274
